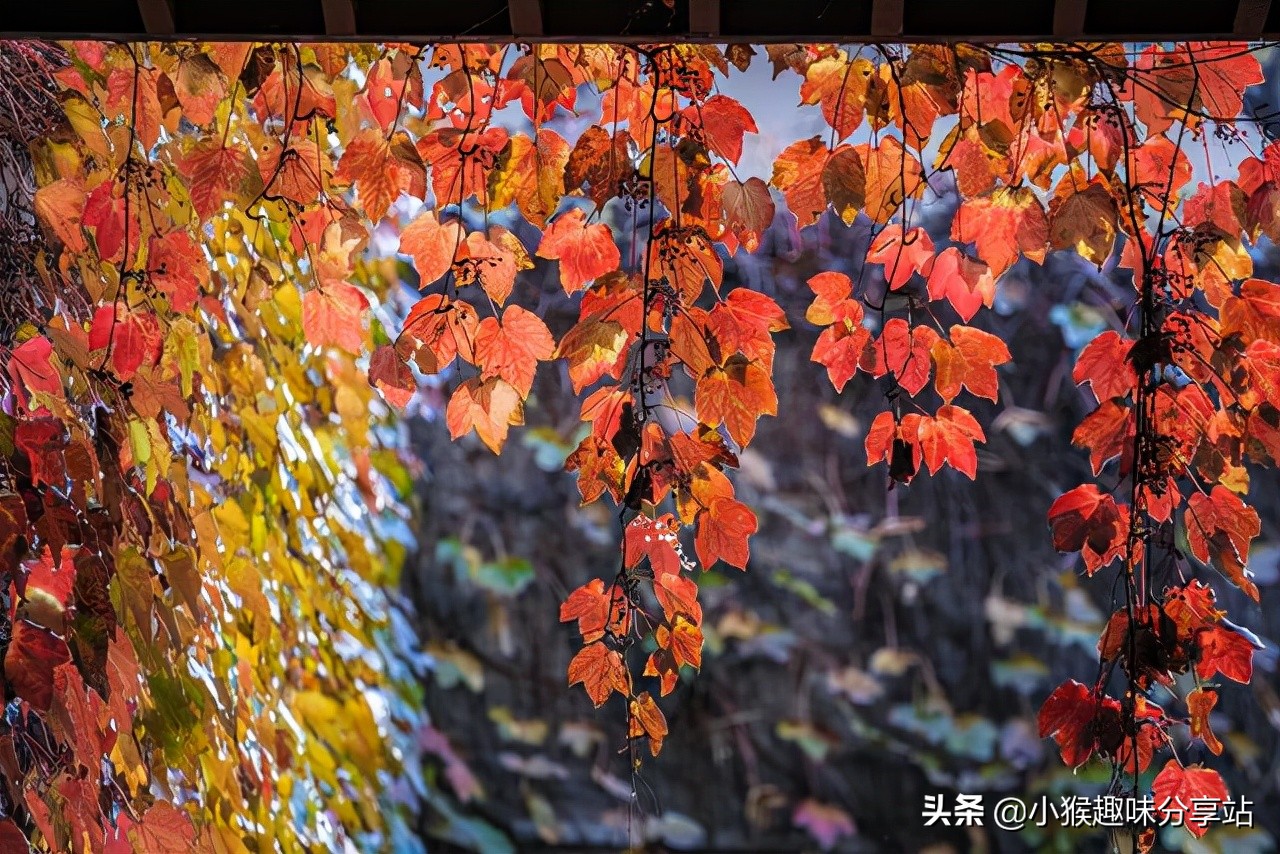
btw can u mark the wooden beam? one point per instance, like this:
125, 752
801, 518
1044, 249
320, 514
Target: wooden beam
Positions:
339, 17
886, 18
157, 17
1251, 18
526, 17
704, 17
1068, 18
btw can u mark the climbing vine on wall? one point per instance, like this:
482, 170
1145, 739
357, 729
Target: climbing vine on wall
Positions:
195, 482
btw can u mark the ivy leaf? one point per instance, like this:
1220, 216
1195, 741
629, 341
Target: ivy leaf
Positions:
736, 394
840, 86
1003, 226
904, 351
585, 252
490, 407
724, 121
512, 349
381, 169
840, 346
333, 314
131, 338
1105, 365
34, 654
844, 183
1222, 525
724, 529
1176, 790
969, 360
748, 210
433, 246
799, 173
964, 282
903, 255
1068, 715
1088, 520
601, 672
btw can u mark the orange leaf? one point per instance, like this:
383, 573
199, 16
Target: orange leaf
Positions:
1200, 703
903, 255
949, 438
512, 349
436, 330
654, 539
1104, 364
841, 345
736, 394
678, 595
840, 86
591, 606
334, 314
647, 720
381, 169
798, 173
1106, 432
433, 246
586, 252
489, 406
390, 375
969, 360
1002, 225
964, 282
904, 351
601, 671
724, 531
1224, 651
723, 121
592, 349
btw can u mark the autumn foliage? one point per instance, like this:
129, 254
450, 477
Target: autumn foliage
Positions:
192, 464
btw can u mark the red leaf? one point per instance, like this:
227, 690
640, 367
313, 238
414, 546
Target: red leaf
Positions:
949, 438
723, 121
1068, 715
381, 169
798, 173
436, 330
1104, 364
1176, 789
390, 375
654, 539
1221, 524
841, 345
1106, 432
131, 338
178, 267
29, 663
904, 351
964, 282
902, 255
586, 252
677, 594
1224, 651
1003, 225
590, 605
33, 371
1089, 521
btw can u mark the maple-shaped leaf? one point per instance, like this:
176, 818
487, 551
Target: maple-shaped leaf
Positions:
748, 210
33, 371
333, 314
654, 539
34, 653
826, 823
61, 207
601, 672
298, 173
1090, 521
530, 173
1084, 221
904, 351
1222, 650
1200, 703
214, 174
601, 162
684, 639
1107, 432
1067, 715
723, 121
736, 394
178, 267
130, 337
432, 244
585, 252
488, 406
381, 169
648, 721
1176, 790
893, 175
724, 531
436, 330
742, 322
798, 173
840, 346
1255, 313
1002, 226
964, 282
949, 438
830, 289
591, 605
512, 349
592, 349
1105, 365
969, 360
164, 829
389, 374
677, 594
662, 663
840, 86
461, 160
844, 182
903, 255
1221, 525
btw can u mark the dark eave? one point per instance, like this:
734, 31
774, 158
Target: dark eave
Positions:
643, 20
